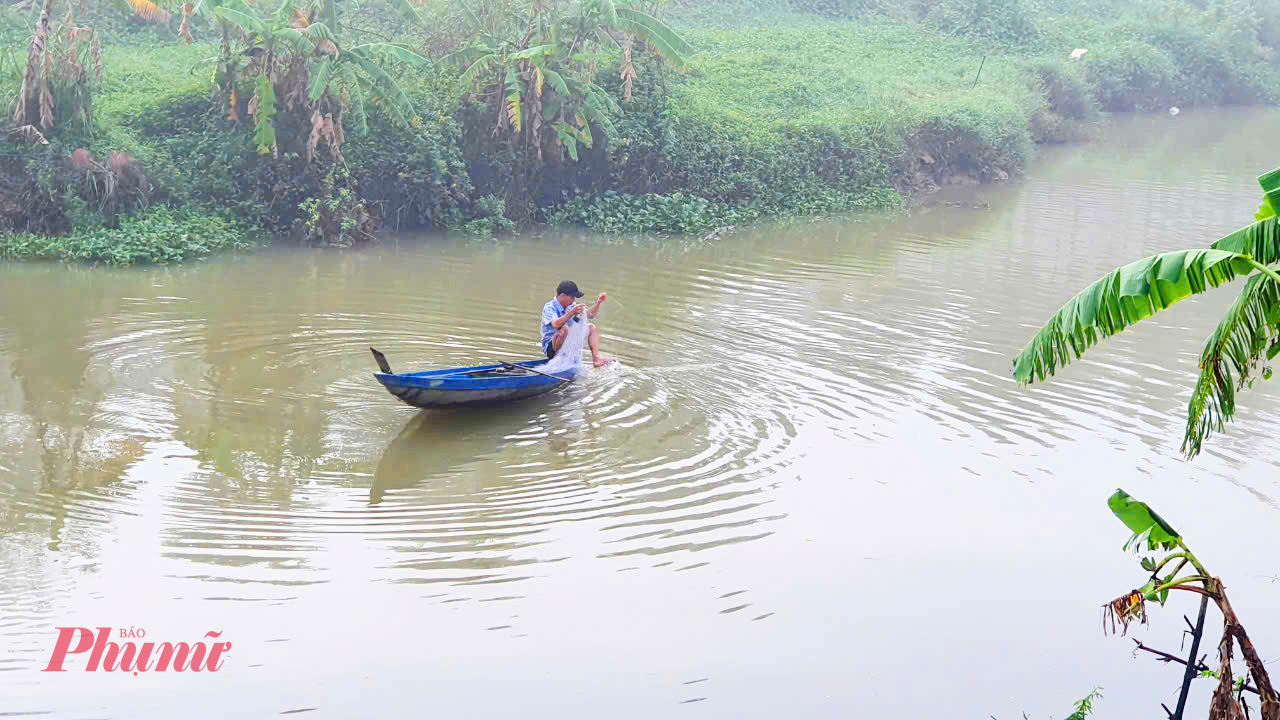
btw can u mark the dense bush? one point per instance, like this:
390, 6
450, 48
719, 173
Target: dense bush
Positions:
1069, 109
407, 177
993, 23
158, 235
614, 212
1131, 75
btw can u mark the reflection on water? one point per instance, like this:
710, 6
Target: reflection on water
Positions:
811, 464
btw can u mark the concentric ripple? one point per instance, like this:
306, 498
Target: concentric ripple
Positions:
829, 391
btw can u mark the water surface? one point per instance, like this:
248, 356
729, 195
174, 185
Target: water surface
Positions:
810, 489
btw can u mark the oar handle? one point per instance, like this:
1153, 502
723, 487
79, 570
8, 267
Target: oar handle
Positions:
513, 366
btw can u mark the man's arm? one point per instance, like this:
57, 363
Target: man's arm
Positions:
596, 308
566, 317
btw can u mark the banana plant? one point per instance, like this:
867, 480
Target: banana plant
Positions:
1153, 534
535, 62
56, 84
1247, 336
291, 60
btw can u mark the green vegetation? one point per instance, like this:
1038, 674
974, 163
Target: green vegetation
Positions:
322, 122
154, 236
1153, 534
1084, 706
1247, 336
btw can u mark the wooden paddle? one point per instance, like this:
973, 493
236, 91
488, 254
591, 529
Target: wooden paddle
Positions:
512, 366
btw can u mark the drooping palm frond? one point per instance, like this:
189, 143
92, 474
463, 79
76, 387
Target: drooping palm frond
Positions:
1270, 183
323, 37
532, 52
293, 37
353, 97
319, 80
398, 103
556, 82
242, 20
1260, 241
1121, 298
669, 44
480, 65
608, 11
395, 52
1247, 332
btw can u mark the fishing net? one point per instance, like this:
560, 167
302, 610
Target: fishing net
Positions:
569, 356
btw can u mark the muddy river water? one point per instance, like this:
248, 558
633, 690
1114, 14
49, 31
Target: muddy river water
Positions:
810, 489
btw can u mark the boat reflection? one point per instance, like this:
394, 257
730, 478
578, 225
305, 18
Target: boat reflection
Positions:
435, 445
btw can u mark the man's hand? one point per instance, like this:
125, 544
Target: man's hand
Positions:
591, 313
570, 313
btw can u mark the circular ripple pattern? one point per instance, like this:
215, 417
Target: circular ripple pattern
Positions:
214, 432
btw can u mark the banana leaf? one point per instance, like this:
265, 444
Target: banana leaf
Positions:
1121, 298
1150, 531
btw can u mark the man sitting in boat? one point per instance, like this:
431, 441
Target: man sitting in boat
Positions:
560, 311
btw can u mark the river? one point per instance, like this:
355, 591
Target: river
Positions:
811, 488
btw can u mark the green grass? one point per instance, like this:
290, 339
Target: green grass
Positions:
139, 78
869, 81
826, 116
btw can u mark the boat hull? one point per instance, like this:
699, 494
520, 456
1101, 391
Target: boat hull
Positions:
471, 386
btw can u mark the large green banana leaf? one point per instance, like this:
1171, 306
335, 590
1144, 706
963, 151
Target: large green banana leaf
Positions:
1121, 298
1248, 332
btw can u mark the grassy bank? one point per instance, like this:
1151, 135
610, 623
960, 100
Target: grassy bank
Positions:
784, 107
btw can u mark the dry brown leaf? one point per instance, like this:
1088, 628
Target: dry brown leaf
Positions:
20, 112
184, 30
317, 128
95, 52
513, 114
252, 109
149, 11
120, 161
28, 134
46, 97
300, 21
233, 112
326, 129
628, 70
35, 53
46, 106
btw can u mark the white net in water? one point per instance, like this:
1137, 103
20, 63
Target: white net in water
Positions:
569, 356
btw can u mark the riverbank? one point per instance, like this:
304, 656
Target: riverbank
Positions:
792, 111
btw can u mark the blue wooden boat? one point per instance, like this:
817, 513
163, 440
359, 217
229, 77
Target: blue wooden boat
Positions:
467, 386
